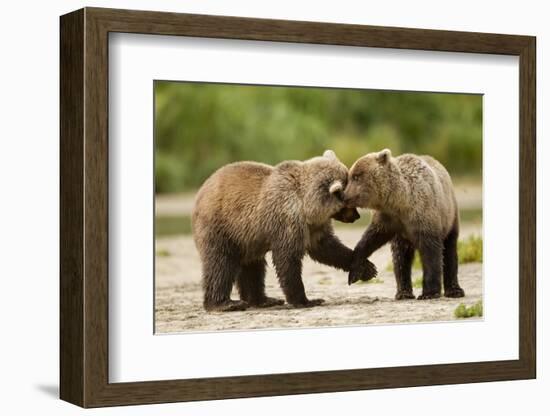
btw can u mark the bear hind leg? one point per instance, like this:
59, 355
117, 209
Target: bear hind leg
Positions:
218, 276
450, 266
251, 285
402, 257
431, 254
288, 265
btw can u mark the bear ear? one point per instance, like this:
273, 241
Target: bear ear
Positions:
329, 154
383, 156
336, 187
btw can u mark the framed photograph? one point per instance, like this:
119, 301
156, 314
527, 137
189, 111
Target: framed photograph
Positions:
254, 207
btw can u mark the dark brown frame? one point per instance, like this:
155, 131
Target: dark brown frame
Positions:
84, 208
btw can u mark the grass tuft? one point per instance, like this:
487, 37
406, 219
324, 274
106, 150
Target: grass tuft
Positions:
463, 311
470, 250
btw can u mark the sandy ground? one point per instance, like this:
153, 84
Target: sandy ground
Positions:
178, 294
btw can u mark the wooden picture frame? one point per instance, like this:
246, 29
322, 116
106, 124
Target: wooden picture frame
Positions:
84, 207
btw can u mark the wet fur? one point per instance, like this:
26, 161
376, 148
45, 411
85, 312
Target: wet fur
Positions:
415, 209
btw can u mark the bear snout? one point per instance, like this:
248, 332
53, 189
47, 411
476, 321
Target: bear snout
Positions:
347, 215
353, 196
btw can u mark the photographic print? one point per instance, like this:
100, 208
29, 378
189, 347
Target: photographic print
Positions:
305, 207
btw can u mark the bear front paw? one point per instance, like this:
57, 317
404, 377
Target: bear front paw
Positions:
363, 270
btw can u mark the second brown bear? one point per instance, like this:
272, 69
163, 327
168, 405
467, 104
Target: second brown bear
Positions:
415, 208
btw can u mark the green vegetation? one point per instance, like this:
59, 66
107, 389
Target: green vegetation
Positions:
166, 225
471, 215
417, 282
417, 264
463, 311
200, 127
172, 225
470, 250
163, 253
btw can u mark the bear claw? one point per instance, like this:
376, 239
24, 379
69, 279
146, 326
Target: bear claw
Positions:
309, 303
364, 270
228, 306
269, 302
428, 296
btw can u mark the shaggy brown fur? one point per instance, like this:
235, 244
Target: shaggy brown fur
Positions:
246, 209
415, 208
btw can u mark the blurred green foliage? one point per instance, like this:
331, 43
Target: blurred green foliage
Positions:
172, 225
418, 282
463, 311
200, 127
470, 250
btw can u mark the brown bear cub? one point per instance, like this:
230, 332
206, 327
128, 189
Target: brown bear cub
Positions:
415, 208
246, 209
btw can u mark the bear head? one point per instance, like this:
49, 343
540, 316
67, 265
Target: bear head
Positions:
323, 190
372, 179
